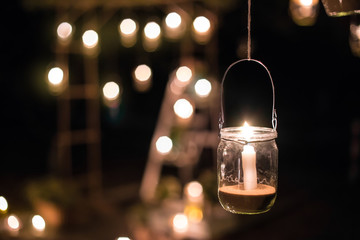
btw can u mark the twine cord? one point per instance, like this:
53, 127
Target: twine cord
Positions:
221, 115
249, 31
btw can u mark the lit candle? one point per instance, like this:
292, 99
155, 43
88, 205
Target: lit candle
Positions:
249, 161
249, 167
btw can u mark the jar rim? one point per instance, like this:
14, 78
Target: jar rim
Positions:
258, 134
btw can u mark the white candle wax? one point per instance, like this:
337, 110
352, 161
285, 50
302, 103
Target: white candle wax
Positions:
249, 167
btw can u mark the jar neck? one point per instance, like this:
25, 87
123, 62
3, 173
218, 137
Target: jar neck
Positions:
248, 134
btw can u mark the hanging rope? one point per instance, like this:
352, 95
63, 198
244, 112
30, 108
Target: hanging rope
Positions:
249, 31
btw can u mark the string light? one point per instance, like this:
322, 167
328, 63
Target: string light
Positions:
202, 29
180, 223
143, 73
13, 222
111, 90
55, 76
164, 144
203, 88
128, 29
64, 31
184, 74
90, 39
128, 26
183, 108
173, 20
38, 223
152, 33
152, 30
201, 24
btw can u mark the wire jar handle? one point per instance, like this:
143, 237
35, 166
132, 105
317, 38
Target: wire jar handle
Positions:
274, 115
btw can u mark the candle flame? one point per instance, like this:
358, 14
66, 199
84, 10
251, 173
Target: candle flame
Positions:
247, 131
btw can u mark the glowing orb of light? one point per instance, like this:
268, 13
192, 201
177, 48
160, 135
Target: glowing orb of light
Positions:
13, 222
194, 189
152, 30
90, 38
128, 26
143, 73
183, 108
173, 20
55, 76
164, 144
184, 74
38, 223
64, 30
201, 24
111, 90
180, 223
3, 204
203, 87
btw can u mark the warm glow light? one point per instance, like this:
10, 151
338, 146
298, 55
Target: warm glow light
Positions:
247, 131
173, 20
13, 222
111, 90
180, 223
203, 87
90, 38
183, 108
123, 238
152, 30
55, 76
3, 204
38, 223
128, 26
164, 144
143, 73
64, 30
194, 213
306, 3
194, 189
184, 74
201, 24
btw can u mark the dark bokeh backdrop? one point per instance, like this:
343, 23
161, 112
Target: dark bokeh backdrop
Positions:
316, 79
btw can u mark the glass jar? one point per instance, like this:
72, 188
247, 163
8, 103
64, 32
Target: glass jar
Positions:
247, 169
247, 162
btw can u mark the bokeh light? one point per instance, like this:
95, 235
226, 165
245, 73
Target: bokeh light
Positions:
180, 223
201, 24
90, 38
194, 213
111, 90
128, 26
143, 72
13, 222
194, 189
203, 87
306, 3
64, 30
152, 30
183, 74
173, 20
123, 238
183, 108
164, 144
38, 223
55, 76
3, 204
304, 12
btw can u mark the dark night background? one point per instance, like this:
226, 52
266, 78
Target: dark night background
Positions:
316, 78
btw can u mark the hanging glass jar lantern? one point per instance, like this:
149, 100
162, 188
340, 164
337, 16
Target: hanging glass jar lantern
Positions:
247, 163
